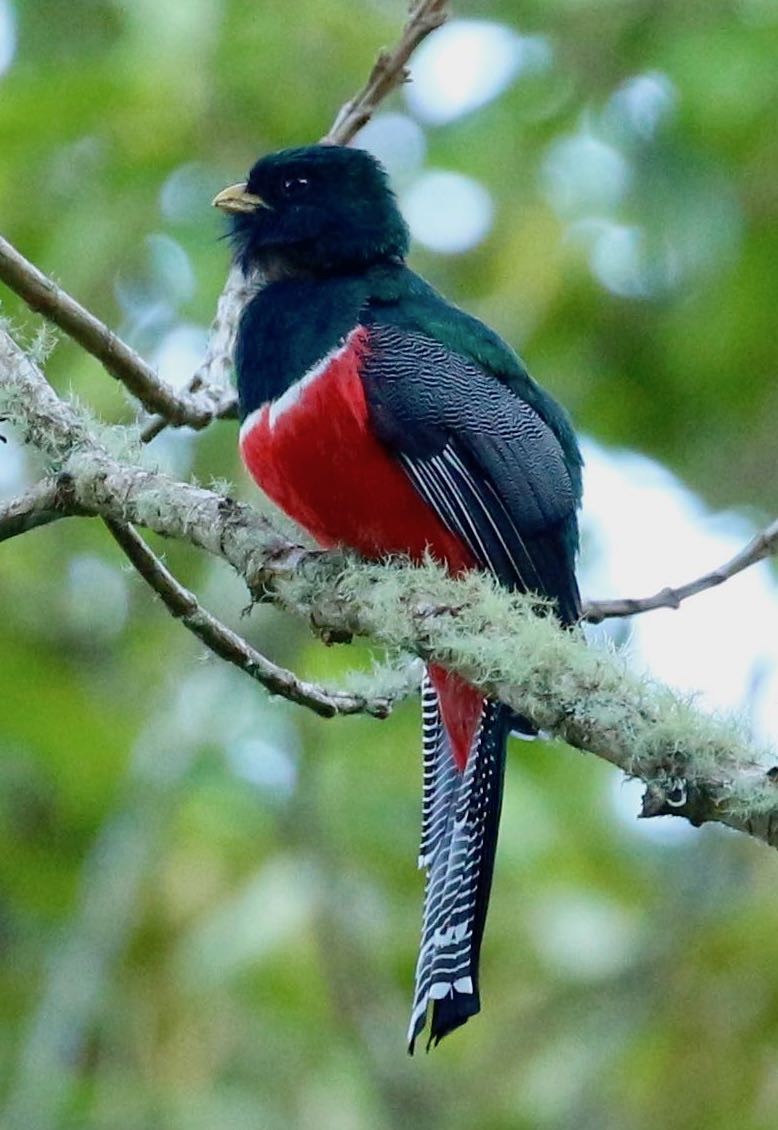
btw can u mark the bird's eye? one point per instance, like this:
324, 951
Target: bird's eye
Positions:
294, 187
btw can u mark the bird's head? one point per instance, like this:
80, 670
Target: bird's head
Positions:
321, 209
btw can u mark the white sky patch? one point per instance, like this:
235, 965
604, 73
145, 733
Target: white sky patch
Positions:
447, 212
7, 35
466, 64
649, 532
13, 463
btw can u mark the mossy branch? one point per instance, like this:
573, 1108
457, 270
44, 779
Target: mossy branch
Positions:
694, 765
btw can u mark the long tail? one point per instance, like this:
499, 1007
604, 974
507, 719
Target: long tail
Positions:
460, 820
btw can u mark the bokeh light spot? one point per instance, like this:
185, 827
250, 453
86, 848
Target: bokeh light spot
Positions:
467, 63
583, 936
179, 353
641, 104
267, 765
7, 35
583, 174
397, 141
187, 193
448, 212
96, 596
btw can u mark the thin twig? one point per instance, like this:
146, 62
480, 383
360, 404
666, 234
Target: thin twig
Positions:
43, 295
225, 408
222, 641
764, 544
389, 71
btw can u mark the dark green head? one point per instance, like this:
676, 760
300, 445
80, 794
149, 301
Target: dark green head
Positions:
322, 209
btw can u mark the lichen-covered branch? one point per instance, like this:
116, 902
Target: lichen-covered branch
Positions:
694, 765
38, 506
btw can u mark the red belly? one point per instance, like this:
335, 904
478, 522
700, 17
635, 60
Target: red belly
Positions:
320, 462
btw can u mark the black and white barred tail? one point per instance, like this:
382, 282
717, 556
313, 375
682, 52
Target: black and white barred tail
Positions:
460, 820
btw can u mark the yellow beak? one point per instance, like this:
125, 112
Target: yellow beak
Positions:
236, 199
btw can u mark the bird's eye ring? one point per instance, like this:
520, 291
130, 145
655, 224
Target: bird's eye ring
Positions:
295, 186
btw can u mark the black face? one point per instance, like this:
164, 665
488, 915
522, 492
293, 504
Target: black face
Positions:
324, 209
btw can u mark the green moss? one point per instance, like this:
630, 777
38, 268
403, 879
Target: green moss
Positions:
507, 644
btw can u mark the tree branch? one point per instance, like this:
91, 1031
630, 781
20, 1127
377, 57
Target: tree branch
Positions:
211, 381
38, 506
207, 395
694, 766
222, 641
388, 72
44, 296
764, 544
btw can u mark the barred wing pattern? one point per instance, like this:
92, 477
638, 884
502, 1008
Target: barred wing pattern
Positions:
483, 459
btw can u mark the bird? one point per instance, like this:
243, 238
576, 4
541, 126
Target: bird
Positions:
382, 418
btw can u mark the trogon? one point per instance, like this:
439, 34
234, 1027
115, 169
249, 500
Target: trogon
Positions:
383, 418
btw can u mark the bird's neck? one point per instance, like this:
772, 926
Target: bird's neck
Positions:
288, 327
277, 264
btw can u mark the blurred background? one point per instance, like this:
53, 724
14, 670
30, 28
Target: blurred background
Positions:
209, 906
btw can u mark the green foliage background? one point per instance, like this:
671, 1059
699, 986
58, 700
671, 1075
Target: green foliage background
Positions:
190, 940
